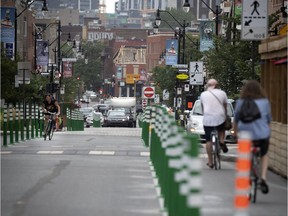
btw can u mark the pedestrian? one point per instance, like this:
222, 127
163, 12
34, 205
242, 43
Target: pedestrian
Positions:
259, 128
214, 106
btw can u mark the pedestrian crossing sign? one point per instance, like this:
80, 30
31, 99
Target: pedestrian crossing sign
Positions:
196, 73
254, 20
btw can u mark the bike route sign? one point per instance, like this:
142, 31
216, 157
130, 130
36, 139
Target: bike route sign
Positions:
254, 20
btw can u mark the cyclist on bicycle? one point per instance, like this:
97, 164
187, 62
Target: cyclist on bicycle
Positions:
259, 128
50, 105
214, 102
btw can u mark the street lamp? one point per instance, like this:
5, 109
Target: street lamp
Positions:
44, 9
186, 7
183, 29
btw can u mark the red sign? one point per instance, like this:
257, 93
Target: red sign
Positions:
148, 92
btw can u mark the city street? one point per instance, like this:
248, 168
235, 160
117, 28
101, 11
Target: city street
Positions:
106, 172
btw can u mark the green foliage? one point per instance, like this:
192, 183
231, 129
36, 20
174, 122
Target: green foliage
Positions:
179, 15
8, 72
231, 64
90, 73
165, 78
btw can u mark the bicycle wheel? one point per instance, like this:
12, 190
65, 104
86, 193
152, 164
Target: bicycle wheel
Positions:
253, 190
46, 131
51, 130
218, 156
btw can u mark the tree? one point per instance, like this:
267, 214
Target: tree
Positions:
165, 78
90, 69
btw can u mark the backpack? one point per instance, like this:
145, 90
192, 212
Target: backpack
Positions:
249, 111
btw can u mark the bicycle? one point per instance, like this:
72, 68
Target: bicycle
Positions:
254, 173
49, 130
216, 150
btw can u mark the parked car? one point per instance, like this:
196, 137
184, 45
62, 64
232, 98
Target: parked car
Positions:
194, 123
117, 118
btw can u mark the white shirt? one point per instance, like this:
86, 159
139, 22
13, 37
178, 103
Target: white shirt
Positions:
214, 113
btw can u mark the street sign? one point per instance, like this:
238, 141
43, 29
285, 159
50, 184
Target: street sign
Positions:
165, 94
254, 20
144, 103
157, 99
196, 73
148, 92
183, 70
182, 76
180, 66
69, 59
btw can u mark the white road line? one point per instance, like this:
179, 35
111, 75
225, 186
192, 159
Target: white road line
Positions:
144, 153
50, 152
43, 152
108, 152
95, 152
6, 152
101, 152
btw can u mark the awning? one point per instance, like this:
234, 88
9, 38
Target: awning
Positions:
281, 61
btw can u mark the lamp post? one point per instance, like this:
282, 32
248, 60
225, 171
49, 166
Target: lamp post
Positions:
186, 7
44, 8
181, 33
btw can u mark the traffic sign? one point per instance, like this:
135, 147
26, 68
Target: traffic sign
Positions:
144, 103
182, 76
254, 20
180, 66
196, 73
148, 92
165, 94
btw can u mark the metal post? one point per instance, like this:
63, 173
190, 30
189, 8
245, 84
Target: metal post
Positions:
59, 51
217, 18
51, 78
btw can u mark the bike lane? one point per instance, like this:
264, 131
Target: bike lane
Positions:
107, 172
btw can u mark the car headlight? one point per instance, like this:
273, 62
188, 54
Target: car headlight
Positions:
192, 129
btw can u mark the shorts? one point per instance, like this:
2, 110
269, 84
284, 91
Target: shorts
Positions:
263, 144
209, 129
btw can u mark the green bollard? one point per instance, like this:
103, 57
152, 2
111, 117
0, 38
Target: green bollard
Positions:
21, 122
68, 119
41, 122
5, 125
37, 121
17, 122
27, 122
11, 124
32, 120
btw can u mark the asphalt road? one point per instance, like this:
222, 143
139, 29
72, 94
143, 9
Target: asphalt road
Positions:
106, 172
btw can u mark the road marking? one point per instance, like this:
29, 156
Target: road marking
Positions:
50, 152
108, 152
6, 152
145, 154
95, 152
101, 152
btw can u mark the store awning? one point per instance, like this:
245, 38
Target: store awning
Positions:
281, 61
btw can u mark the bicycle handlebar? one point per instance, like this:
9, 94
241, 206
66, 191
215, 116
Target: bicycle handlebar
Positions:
47, 112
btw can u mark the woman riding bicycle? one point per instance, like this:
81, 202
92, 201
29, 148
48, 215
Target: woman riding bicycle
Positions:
51, 105
260, 127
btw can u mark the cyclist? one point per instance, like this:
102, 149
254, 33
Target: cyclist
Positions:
214, 102
260, 128
51, 105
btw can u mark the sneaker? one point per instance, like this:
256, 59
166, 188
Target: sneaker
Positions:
264, 186
224, 147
